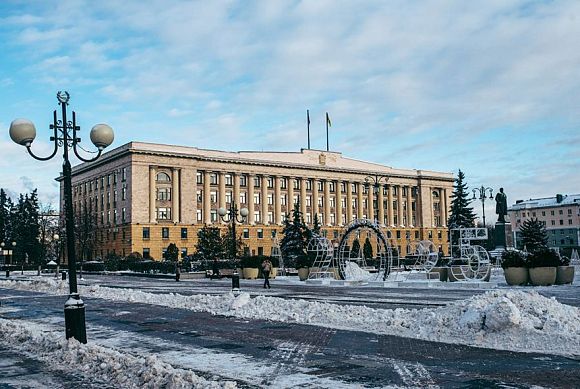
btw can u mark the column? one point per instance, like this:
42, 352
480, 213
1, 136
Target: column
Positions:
221, 190
359, 208
251, 206
338, 202
277, 204
327, 202
370, 198
206, 199
152, 188
315, 210
303, 196
264, 200
348, 202
409, 206
290, 199
400, 204
390, 221
175, 195
236, 198
380, 200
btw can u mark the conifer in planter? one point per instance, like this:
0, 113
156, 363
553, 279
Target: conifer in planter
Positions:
564, 272
514, 267
542, 265
303, 264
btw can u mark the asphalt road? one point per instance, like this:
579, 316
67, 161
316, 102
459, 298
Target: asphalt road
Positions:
267, 354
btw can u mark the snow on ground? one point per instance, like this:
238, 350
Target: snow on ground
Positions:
499, 319
121, 369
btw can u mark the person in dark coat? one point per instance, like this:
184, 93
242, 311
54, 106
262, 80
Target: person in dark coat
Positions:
266, 267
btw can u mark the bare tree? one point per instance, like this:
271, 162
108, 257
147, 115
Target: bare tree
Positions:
85, 232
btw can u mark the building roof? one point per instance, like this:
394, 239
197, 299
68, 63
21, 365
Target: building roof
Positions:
547, 202
305, 158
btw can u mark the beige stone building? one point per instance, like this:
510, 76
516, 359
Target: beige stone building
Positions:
146, 196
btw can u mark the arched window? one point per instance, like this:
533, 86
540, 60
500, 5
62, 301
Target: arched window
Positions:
435, 194
163, 177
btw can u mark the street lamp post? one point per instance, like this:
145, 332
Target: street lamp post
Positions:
376, 181
56, 238
8, 253
232, 216
483, 196
23, 132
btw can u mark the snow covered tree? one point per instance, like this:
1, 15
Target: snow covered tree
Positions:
534, 236
461, 213
296, 233
368, 249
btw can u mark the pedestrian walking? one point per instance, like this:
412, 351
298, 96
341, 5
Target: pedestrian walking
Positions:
266, 267
177, 272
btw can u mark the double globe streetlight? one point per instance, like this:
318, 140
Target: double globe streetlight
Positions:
376, 181
23, 132
483, 196
233, 216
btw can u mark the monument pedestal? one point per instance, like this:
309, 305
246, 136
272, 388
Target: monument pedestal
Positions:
503, 236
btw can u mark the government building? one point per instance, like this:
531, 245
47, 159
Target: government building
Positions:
145, 196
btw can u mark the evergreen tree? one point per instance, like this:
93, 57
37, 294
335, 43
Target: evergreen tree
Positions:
295, 240
316, 225
355, 250
172, 253
25, 218
6, 206
368, 249
228, 243
209, 244
534, 236
461, 213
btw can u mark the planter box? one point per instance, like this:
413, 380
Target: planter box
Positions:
543, 276
303, 273
250, 273
516, 275
564, 275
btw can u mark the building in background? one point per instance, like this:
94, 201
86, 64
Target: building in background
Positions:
145, 196
560, 214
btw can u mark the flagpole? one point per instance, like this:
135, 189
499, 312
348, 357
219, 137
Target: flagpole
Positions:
308, 124
327, 131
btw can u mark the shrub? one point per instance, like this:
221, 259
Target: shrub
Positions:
543, 258
513, 258
252, 261
303, 261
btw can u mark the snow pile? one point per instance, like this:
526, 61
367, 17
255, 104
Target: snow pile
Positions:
353, 272
501, 319
120, 369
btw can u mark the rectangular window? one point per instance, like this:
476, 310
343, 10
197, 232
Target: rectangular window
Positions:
283, 199
343, 187
274, 232
332, 219
270, 217
308, 184
260, 233
561, 212
146, 253
229, 180
146, 233
228, 197
353, 187
569, 211
321, 201
163, 213
256, 198
398, 234
283, 183
246, 233
552, 213
270, 182
123, 215
295, 200
165, 232
270, 198
108, 179
243, 198
199, 215
296, 184
124, 174
257, 182
115, 219
332, 202
553, 222
543, 213
213, 196
343, 202
213, 178
114, 177
570, 221
124, 194
256, 216
184, 233
164, 194
308, 201
331, 186
308, 218
320, 186
243, 180
213, 216
260, 250
561, 222
199, 178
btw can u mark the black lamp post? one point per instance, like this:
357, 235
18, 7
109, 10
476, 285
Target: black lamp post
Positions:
376, 181
23, 132
483, 196
232, 216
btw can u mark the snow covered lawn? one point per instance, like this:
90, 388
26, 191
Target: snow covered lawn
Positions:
499, 319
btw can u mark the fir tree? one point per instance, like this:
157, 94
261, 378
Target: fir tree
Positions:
368, 249
209, 244
461, 213
316, 225
6, 206
172, 253
228, 243
534, 236
355, 250
296, 233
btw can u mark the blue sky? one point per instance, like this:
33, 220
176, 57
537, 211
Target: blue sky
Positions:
489, 87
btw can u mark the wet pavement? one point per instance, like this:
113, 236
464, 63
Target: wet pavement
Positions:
268, 354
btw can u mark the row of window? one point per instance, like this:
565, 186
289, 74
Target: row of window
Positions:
89, 186
552, 222
543, 213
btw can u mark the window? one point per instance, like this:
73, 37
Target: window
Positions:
243, 180
438, 234
213, 216
213, 178
260, 233
332, 219
570, 221
270, 182
184, 252
270, 198
308, 201
163, 213
213, 196
569, 211
270, 217
199, 178
560, 211
398, 234
308, 184
283, 183
199, 215
274, 232
321, 201
543, 213
246, 233
260, 250
553, 222
353, 187
146, 233
308, 218
552, 213
343, 187
332, 202
165, 232
283, 199
257, 182
108, 180
243, 198
335, 234
163, 177
124, 194
256, 216
331, 186
320, 186
123, 215
228, 197
124, 174
533, 214
561, 222
184, 233
146, 253
164, 194
256, 198
115, 218
199, 196
343, 202
229, 180
296, 184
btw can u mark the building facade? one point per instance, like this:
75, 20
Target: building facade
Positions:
560, 214
145, 196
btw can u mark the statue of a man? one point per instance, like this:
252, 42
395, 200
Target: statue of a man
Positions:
501, 206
